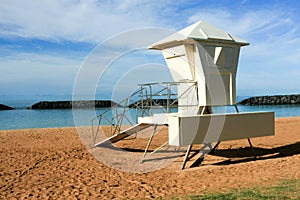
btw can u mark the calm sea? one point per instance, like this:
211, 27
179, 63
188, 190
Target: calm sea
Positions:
24, 118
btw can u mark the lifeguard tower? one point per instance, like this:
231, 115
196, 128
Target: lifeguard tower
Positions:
203, 62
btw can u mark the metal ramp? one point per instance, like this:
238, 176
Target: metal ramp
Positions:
125, 133
155, 100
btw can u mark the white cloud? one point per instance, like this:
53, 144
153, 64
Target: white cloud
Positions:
247, 24
26, 72
72, 20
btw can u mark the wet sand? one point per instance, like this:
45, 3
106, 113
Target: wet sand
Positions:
53, 163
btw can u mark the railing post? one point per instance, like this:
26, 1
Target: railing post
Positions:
168, 98
142, 100
151, 100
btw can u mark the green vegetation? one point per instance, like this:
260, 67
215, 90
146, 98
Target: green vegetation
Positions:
285, 190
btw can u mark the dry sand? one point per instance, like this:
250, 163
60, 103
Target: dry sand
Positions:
53, 163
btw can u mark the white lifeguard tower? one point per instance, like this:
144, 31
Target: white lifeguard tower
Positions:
203, 62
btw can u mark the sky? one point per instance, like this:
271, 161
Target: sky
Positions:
45, 45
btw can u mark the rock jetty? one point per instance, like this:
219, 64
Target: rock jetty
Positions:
272, 100
72, 104
4, 107
155, 102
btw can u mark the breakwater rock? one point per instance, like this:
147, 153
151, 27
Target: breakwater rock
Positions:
272, 100
4, 107
153, 102
72, 104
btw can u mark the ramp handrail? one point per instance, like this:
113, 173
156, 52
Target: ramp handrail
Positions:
146, 104
116, 121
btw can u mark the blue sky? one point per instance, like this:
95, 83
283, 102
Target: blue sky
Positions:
43, 44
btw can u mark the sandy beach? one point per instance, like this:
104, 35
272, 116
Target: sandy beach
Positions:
53, 163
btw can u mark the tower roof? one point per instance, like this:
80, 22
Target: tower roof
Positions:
202, 31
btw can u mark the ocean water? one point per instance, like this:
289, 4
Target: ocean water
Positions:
24, 118
21, 117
